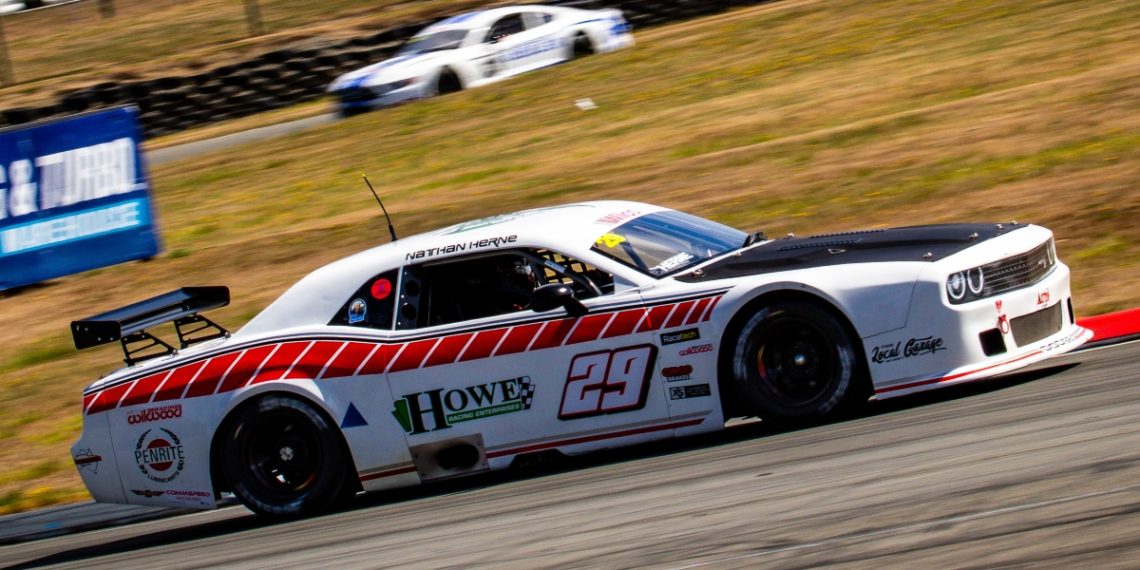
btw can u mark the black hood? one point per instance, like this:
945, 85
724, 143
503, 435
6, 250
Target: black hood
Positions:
915, 243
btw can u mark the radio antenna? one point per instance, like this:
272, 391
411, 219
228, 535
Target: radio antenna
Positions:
391, 230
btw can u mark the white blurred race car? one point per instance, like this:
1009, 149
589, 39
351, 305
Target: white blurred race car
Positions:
565, 329
478, 48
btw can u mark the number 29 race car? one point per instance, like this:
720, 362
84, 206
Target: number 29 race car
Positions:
478, 48
564, 329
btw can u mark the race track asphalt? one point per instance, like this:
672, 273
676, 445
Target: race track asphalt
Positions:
1040, 470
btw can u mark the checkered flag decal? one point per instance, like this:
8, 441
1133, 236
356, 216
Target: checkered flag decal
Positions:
527, 395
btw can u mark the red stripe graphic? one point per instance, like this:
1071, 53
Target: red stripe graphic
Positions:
712, 305
413, 355
589, 438
624, 323
109, 398
349, 359
589, 328
954, 376
388, 473
678, 317
656, 318
281, 362
310, 364
174, 385
337, 359
246, 366
144, 389
207, 381
518, 339
553, 333
483, 344
447, 351
379, 360
698, 311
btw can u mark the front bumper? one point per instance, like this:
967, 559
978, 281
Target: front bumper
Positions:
946, 343
360, 99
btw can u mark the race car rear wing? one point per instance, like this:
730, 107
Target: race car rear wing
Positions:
129, 324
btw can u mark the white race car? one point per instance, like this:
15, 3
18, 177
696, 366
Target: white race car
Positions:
481, 47
565, 329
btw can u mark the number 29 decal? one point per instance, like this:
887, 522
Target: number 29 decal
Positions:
608, 381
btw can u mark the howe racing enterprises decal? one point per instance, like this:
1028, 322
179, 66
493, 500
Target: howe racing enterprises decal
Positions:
442, 407
913, 347
158, 453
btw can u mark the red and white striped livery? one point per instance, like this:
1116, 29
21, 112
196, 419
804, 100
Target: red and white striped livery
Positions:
564, 329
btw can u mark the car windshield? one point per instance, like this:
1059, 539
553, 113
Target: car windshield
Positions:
447, 39
663, 243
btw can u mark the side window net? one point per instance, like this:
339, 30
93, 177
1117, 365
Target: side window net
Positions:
571, 266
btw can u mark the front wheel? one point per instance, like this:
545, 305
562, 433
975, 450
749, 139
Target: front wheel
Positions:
283, 458
794, 362
581, 46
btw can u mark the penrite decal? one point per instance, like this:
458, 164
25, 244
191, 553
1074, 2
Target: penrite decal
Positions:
677, 373
913, 347
446, 407
680, 336
159, 456
155, 414
694, 391
148, 493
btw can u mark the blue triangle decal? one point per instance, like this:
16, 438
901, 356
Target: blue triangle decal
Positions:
352, 418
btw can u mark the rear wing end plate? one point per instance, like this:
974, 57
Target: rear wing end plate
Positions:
128, 325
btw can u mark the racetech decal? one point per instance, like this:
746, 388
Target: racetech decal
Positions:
324, 359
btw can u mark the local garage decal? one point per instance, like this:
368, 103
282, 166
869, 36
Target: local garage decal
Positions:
913, 347
158, 453
442, 408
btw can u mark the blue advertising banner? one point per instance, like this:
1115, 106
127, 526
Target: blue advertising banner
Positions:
74, 195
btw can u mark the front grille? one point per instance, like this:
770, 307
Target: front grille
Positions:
357, 95
1019, 271
1033, 327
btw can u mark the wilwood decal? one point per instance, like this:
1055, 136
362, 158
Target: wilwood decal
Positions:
155, 414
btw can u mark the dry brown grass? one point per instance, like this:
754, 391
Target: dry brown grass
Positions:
69, 46
797, 116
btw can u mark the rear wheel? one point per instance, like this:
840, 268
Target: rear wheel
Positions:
794, 362
283, 458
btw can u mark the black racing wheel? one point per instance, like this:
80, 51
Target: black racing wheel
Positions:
283, 458
794, 362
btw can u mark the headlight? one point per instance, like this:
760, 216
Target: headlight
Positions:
399, 84
1014, 272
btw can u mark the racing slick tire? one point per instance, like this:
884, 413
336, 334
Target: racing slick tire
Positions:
448, 82
282, 458
581, 46
793, 362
